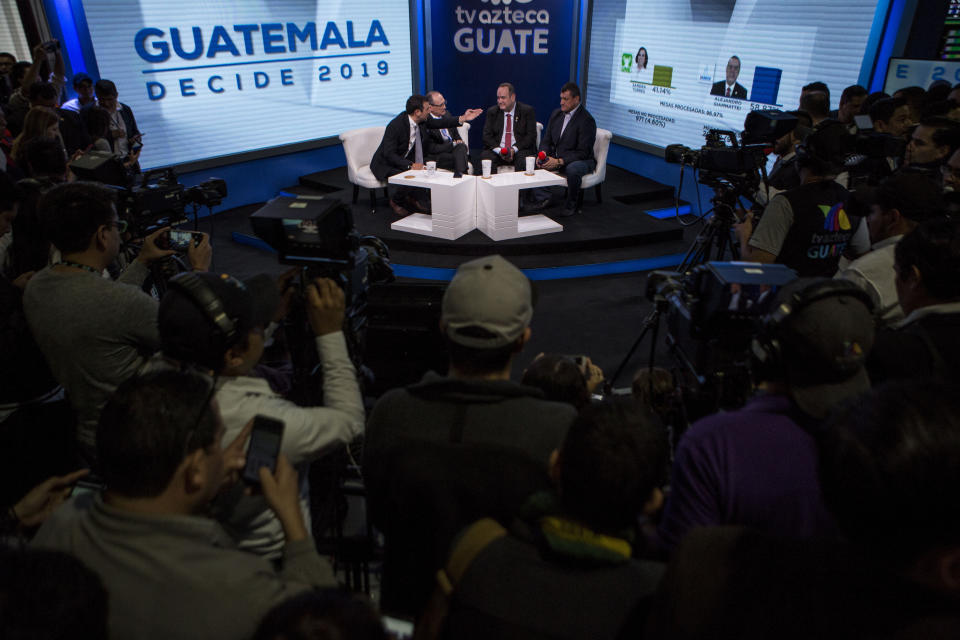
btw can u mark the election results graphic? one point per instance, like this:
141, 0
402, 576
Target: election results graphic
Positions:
208, 79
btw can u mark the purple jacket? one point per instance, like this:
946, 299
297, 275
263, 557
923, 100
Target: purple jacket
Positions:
754, 467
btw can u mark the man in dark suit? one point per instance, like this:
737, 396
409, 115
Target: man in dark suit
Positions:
568, 144
510, 125
445, 145
124, 136
730, 87
404, 146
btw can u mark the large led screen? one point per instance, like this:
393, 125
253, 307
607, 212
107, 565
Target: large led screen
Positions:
667, 71
207, 79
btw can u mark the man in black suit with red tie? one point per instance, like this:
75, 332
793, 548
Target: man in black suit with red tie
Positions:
509, 125
404, 145
730, 87
568, 146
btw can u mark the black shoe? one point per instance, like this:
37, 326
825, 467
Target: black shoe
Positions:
457, 174
536, 205
568, 211
399, 210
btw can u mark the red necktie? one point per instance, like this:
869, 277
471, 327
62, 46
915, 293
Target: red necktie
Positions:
507, 142
728, 92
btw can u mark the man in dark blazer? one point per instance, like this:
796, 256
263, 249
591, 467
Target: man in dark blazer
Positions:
124, 136
522, 130
568, 144
445, 145
730, 87
404, 147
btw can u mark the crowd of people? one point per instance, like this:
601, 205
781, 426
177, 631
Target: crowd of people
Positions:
535, 508
33, 107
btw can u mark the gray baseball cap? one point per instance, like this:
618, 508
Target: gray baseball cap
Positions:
488, 304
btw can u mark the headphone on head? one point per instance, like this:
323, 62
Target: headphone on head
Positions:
209, 303
766, 349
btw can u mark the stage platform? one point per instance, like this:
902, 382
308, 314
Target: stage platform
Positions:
611, 231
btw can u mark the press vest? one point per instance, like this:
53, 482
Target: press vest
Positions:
821, 229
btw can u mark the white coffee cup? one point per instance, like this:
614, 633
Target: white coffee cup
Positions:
487, 167
431, 168
531, 164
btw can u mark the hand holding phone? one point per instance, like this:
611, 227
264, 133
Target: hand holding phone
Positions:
180, 240
264, 448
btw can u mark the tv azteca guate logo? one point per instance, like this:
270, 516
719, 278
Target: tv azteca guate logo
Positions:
360, 50
512, 29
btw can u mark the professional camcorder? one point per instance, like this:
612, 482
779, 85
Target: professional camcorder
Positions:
712, 315
725, 161
317, 235
150, 200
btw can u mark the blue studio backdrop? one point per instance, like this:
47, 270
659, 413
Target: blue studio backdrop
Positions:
474, 45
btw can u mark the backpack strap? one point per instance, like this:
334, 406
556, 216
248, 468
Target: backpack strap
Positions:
475, 539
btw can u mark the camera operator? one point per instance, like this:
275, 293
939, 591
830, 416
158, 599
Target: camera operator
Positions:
807, 228
94, 332
785, 174
188, 334
757, 466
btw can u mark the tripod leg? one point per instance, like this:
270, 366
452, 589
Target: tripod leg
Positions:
652, 321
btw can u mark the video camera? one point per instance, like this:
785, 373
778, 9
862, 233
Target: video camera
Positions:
867, 161
317, 234
712, 315
150, 200
723, 162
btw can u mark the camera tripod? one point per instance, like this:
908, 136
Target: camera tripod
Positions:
716, 236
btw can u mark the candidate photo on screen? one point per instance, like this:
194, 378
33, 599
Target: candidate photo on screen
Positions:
730, 87
641, 66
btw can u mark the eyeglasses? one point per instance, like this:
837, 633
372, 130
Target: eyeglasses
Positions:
442, 104
121, 225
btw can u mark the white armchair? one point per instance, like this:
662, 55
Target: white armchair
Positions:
359, 145
601, 147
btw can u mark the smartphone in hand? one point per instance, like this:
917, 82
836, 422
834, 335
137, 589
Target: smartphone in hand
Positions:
264, 448
180, 240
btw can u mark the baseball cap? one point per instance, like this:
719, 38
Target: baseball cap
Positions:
188, 334
491, 295
824, 342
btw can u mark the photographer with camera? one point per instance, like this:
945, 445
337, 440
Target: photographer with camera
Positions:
94, 332
757, 466
193, 330
808, 228
21, 99
785, 174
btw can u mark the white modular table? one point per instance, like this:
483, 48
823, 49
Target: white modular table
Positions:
453, 202
497, 198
